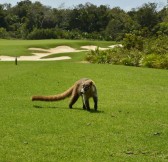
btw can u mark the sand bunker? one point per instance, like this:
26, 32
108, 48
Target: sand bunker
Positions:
91, 47
39, 53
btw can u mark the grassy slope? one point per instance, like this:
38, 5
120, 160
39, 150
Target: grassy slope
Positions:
131, 124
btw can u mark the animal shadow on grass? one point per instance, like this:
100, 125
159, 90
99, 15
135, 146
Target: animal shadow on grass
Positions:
76, 109
97, 111
41, 107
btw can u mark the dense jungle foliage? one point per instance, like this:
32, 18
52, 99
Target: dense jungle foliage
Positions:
33, 20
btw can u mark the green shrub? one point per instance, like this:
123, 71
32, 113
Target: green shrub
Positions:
161, 29
92, 56
57, 33
151, 53
115, 56
156, 45
164, 62
111, 56
132, 41
150, 60
42, 34
155, 61
3, 33
132, 57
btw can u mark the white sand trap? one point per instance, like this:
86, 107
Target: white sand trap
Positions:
91, 47
116, 45
59, 49
38, 56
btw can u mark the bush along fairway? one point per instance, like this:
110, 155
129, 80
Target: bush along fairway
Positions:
136, 51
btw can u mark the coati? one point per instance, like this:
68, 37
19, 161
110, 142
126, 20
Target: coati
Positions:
85, 88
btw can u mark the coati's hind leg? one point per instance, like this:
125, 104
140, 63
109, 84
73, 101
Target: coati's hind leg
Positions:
74, 98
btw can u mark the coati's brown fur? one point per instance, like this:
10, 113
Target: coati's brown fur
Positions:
85, 88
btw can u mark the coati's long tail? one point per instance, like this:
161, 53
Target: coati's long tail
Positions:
58, 97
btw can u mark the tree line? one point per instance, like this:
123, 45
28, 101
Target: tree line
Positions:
33, 20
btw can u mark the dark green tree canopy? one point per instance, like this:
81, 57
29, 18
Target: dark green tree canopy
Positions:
83, 21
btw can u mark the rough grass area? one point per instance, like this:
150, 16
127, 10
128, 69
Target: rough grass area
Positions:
131, 123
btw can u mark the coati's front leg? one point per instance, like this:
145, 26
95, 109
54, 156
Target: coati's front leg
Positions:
95, 99
85, 103
84, 107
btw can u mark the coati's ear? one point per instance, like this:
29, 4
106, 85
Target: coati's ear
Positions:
91, 82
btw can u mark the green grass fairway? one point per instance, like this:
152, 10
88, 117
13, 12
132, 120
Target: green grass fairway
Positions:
20, 47
131, 124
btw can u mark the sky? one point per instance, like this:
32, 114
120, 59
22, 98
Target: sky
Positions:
123, 4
